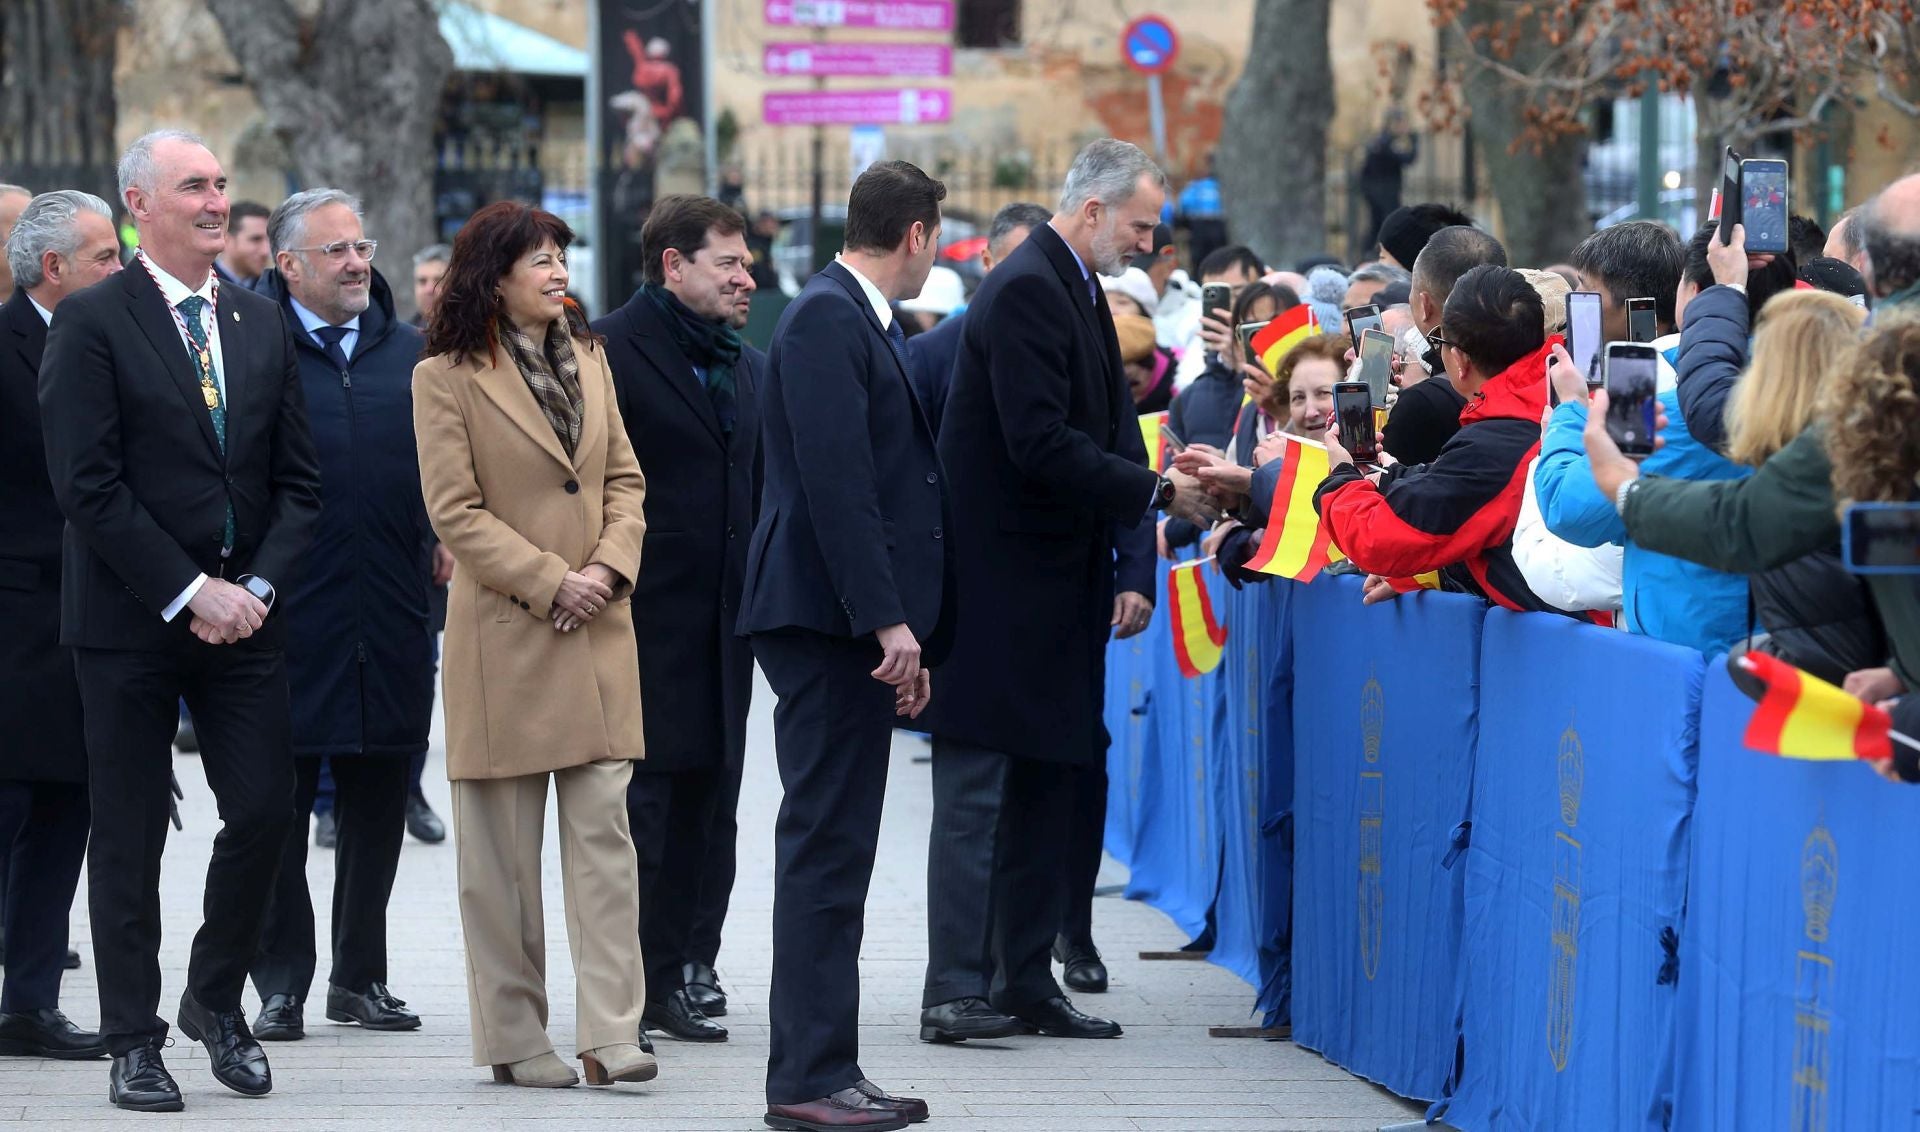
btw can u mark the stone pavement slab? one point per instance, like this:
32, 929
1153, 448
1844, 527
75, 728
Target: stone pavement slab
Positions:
1165, 1074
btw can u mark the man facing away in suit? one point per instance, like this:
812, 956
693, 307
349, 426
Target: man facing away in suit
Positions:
845, 600
177, 445
62, 242
689, 393
1051, 489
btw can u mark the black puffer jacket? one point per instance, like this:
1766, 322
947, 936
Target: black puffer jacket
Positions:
1819, 617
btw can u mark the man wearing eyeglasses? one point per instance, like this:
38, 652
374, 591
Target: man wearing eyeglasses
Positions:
359, 647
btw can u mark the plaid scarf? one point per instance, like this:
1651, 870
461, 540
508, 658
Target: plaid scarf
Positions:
553, 374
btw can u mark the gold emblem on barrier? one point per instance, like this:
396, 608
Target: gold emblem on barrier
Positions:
1565, 927
1813, 982
1373, 813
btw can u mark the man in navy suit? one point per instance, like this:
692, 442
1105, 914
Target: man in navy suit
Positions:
846, 601
930, 355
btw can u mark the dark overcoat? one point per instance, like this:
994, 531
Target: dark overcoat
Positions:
703, 494
1051, 499
39, 697
360, 662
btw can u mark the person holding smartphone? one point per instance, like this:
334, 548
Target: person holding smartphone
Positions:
1457, 514
1721, 296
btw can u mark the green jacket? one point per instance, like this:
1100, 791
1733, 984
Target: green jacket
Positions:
1782, 512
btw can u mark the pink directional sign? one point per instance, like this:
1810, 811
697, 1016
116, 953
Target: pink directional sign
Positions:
897, 15
863, 60
907, 107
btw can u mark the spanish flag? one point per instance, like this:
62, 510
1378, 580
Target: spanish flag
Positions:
1296, 545
1150, 425
1427, 581
1199, 639
1801, 716
1287, 330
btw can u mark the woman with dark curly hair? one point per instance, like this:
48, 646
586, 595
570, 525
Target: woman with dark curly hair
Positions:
531, 483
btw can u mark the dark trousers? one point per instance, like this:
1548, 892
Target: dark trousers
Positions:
1086, 842
996, 875
671, 814
716, 872
43, 839
832, 735
370, 803
238, 697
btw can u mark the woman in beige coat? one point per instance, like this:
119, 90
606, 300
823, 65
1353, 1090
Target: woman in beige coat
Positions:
530, 482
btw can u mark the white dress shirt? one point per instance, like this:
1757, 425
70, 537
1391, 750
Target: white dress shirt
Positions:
874, 296
175, 292
46, 315
311, 323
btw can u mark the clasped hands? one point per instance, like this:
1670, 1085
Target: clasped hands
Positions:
582, 595
224, 613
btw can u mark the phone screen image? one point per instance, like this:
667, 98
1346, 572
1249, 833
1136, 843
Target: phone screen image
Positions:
1882, 538
1633, 375
1642, 323
1376, 363
1360, 320
1353, 406
1584, 321
1763, 205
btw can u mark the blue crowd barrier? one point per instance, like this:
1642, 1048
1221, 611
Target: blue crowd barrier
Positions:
1644, 924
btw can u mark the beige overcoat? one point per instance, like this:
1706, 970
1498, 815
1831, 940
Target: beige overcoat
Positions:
520, 696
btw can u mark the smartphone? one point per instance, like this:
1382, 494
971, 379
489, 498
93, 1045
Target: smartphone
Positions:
1763, 204
1643, 323
1376, 363
1727, 196
1353, 407
1246, 331
1216, 297
1633, 376
1881, 538
1585, 319
1172, 440
1360, 320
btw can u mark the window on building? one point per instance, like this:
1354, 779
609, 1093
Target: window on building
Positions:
987, 23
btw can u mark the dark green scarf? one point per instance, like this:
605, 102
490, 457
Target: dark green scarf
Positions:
711, 346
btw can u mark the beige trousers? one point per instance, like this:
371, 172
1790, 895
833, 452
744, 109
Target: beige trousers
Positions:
497, 829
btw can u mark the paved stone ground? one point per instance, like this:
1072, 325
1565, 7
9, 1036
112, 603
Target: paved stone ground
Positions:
1166, 1073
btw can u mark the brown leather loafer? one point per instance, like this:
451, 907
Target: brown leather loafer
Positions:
913, 1108
848, 1108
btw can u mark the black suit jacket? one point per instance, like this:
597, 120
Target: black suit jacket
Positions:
852, 533
703, 493
36, 674
141, 476
930, 365
1052, 493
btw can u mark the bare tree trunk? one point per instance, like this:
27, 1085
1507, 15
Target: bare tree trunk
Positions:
1542, 194
1272, 158
57, 108
355, 95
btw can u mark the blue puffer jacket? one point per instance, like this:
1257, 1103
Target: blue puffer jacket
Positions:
1666, 598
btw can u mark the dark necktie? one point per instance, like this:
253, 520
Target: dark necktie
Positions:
897, 338
330, 337
190, 311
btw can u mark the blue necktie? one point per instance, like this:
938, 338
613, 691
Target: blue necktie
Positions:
190, 308
330, 337
897, 338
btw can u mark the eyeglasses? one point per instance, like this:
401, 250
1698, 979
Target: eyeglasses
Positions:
1443, 343
337, 251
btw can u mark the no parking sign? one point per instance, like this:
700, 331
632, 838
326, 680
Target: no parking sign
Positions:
1150, 45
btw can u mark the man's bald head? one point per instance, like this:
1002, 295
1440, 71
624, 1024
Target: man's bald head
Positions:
1890, 236
13, 199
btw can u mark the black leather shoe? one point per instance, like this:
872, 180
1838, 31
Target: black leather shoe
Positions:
139, 1081
644, 1042
422, 822
1056, 1018
236, 1059
281, 1020
1084, 970
73, 960
374, 1008
913, 1108
704, 989
47, 1033
678, 1017
326, 831
966, 1019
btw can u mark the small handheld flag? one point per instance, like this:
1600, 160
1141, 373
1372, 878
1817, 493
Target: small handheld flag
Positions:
1296, 544
1287, 330
1150, 426
1199, 639
1801, 716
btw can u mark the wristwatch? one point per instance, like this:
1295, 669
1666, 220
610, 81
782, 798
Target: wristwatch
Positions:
1163, 494
1620, 497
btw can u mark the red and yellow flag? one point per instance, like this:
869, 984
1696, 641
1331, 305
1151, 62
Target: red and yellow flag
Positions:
1199, 639
1801, 716
1296, 544
1427, 581
1287, 330
1150, 425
